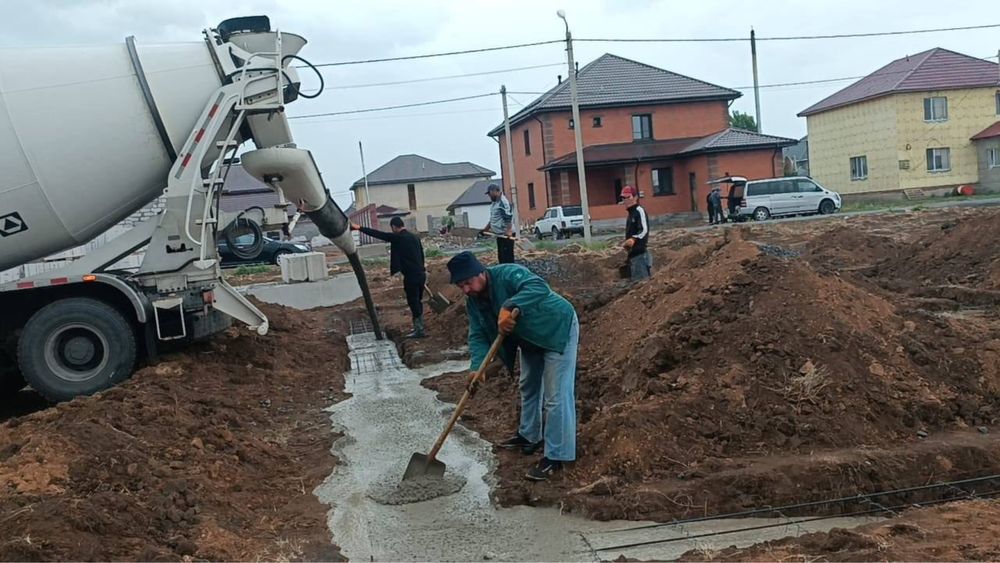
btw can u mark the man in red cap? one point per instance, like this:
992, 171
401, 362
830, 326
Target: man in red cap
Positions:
636, 235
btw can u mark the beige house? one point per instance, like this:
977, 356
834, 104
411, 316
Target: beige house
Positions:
907, 126
423, 186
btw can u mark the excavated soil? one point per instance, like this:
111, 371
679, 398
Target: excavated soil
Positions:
765, 365
211, 453
960, 531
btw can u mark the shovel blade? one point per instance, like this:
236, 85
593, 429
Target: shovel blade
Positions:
421, 466
439, 304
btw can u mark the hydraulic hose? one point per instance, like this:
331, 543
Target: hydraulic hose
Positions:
247, 252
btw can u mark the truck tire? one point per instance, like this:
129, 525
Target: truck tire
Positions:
75, 347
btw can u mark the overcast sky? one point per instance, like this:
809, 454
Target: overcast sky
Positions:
341, 31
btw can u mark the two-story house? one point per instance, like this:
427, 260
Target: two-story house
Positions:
665, 133
418, 184
909, 125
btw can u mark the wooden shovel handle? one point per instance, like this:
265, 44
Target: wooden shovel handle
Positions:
460, 407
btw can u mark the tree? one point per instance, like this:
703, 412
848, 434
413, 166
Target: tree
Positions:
742, 121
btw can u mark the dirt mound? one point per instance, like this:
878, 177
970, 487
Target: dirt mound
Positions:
211, 453
738, 355
742, 352
963, 252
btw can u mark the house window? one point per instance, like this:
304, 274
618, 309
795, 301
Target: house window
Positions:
859, 167
663, 181
531, 195
998, 102
936, 109
938, 160
597, 120
642, 127
411, 191
571, 124
993, 157
527, 143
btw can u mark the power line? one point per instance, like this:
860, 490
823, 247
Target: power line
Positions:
443, 54
401, 106
448, 77
401, 116
786, 38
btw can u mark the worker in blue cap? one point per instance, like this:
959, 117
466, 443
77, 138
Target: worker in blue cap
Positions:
546, 332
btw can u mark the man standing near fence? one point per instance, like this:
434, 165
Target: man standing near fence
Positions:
501, 224
406, 255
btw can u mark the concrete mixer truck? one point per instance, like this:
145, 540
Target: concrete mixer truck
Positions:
90, 135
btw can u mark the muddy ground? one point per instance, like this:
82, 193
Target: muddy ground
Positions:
762, 365
212, 453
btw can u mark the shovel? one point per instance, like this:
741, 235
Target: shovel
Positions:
427, 465
438, 302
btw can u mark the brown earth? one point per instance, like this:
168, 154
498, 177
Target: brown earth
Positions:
959, 531
212, 453
766, 364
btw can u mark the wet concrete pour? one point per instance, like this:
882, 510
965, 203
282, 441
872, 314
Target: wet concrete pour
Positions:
391, 415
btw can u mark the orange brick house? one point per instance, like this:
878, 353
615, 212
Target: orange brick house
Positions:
665, 133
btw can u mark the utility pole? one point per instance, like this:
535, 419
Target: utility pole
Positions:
756, 87
581, 170
510, 161
368, 197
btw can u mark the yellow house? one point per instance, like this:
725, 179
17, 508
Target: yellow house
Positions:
418, 184
906, 126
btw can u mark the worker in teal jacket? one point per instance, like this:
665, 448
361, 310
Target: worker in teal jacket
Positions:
546, 332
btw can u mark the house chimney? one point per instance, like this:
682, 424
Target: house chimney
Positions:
559, 78
578, 68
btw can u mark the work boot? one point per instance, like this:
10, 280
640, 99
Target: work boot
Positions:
527, 447
418, 328
544, 469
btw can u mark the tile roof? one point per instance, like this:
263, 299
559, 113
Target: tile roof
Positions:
730, 139
416, 168
474, 194
988, 133
611, 80
936, 69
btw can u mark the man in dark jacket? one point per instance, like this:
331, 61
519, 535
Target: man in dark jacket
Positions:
715, 214
547, 334
406, 256
636, 235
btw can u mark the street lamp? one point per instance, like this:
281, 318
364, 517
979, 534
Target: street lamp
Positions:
577, 130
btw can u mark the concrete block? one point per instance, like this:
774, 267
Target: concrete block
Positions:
315, 266
309, 266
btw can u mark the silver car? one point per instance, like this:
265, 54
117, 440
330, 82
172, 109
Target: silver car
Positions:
774, 197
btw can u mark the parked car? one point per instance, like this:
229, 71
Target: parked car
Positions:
775, 197
560, 221
269, 253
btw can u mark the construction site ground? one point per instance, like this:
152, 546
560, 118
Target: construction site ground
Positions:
762, 365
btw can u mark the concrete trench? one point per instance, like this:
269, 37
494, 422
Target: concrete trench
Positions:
390, 416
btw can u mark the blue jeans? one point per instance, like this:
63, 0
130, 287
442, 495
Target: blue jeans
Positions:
548, 392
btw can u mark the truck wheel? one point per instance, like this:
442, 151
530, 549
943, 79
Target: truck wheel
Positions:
827, 207
76, 347
538, 234
555, 233
761, 214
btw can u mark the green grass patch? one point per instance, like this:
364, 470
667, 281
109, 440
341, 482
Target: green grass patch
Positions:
250, 270
432, 253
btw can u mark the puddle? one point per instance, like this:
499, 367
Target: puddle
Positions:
390, 416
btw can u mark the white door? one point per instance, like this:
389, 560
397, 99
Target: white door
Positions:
810, 196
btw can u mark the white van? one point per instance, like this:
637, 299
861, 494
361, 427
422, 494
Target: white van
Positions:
774, 197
